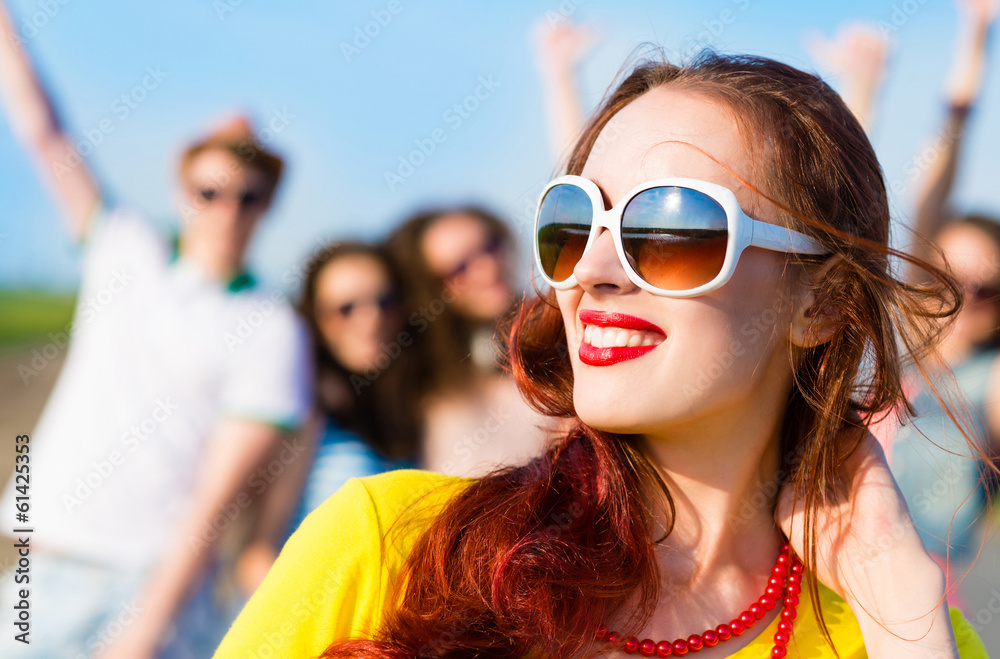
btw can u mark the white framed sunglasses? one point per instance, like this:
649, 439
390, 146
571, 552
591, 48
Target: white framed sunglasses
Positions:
675, 237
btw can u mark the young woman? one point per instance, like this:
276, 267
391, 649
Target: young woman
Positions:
720, 371
457, 264
352, 301
365, 421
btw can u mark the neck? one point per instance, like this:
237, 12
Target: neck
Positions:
723, 473
218, 268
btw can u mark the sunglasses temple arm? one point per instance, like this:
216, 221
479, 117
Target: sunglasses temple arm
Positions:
782, 239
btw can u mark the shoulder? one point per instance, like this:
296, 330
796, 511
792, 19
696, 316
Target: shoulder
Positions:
373, 523
398, 490
267, 305
119, 234
338, 573
970, 646
390, 497
264, 321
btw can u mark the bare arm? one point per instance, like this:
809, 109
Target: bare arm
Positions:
34, 122
278, 502
961, 90
558, 49
235, 449
869, 552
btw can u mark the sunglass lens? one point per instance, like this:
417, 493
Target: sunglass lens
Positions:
564, 220
389, 301
249, 199
675, 238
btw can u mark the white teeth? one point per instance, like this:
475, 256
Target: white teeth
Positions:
618, 337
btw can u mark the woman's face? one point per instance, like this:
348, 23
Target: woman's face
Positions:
975, 261
717, 354
472, 262
357, 311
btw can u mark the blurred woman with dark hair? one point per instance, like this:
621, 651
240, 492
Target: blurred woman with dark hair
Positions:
366, 417
457, 272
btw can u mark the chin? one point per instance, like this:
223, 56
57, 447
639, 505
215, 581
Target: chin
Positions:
637, 403
613, 415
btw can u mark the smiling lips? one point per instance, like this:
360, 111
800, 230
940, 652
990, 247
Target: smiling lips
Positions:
610, 338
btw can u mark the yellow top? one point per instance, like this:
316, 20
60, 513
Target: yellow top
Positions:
336, 575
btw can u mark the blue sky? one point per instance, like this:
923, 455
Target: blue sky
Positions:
350, 117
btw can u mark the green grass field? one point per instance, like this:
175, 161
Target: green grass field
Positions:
27, 316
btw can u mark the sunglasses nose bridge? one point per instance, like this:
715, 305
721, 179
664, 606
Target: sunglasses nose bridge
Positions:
605, 219
600, 266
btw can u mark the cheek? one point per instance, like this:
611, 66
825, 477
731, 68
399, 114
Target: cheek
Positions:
391, 325
244, 228
755, 316
331, 334
569, 303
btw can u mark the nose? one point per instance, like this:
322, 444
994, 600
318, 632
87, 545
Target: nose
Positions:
227, 208
600, 270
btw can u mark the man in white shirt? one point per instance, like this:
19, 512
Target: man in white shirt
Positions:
181, 380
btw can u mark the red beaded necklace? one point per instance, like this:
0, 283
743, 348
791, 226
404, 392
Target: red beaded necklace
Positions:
783, 587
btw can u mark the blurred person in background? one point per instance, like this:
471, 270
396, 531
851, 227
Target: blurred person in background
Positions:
855, 57
560, 45
941, 476
456, 265
173, 392
366, 419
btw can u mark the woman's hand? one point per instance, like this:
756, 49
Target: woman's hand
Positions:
253, 565
869, 552
980, 13
561, 44
976, 18
857, 55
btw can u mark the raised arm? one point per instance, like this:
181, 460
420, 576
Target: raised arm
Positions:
961, 90
559, 46
856, 56
34, 122
869, 552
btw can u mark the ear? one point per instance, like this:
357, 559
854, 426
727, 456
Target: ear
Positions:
813, 325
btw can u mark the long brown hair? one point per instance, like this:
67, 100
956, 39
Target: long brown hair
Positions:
443, 335
573, 545
380, 407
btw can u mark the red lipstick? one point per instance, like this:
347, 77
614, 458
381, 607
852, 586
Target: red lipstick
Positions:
613, 355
